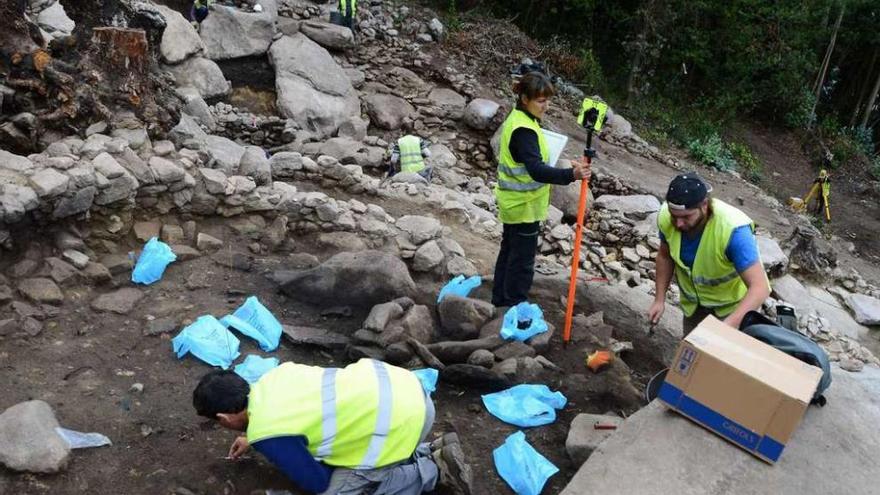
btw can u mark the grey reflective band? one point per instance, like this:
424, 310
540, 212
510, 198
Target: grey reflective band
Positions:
383, 418
514, 171
519, 186
328, 413
689, 297
716, 281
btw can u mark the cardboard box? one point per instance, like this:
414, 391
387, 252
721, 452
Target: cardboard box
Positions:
740, 388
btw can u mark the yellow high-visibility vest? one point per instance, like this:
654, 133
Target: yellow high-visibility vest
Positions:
410, 148
367, 415
520, 198
713, 282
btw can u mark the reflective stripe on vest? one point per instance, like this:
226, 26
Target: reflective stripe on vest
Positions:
713, 282
366, 415
410, 148
520, 198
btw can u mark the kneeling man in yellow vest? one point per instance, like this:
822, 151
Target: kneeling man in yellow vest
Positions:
711, 247
408, 154
330, 430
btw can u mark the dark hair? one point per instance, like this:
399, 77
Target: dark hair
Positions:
534, 85
220, 392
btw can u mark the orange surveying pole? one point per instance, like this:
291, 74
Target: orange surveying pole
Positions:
589, 118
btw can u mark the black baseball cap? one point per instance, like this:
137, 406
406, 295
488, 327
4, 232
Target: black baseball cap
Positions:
687, 191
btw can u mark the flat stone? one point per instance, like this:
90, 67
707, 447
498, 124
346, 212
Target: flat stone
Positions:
160, 326
452, 351
107, 166
482, 357
474, 377
514, 350
419, 229
654, 440
165, 171
41, 290
184, 252
320, 337
97, 273
121, 301
48, 182
144, 231
28, 440
206, 242
583, 438
637, 206
381, 314
865, 308
790, 290
5, 294
76, 258
23, 268
117, 263
60, 271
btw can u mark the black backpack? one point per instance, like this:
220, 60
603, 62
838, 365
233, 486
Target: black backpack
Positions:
792, 343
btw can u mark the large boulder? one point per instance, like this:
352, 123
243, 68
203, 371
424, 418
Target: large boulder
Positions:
388, 111
865, 308
815, 299
225, 153
448, 102
202, 74
255, 165
229, 32
362, 278
330, 36
441, 157
312, 88
419, 229
774, 259
636, 206
567, 198
28, 440
180, 40
829, 453
480, 113
461, 318
55, 20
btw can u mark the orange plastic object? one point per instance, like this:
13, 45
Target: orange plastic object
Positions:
575, 258
598, 360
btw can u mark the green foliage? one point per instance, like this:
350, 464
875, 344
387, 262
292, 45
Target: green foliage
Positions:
712, 151
863, 139
453, 18
589, 70
750, 166
799, 115
875, 167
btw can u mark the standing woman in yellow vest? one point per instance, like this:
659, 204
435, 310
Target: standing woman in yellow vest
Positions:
711, 247
523, 190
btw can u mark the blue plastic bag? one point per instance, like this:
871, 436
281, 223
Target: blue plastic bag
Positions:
525, 405
253, 367
257, 322
459, 286
521, 466
428, 377
152, 262
519, 314
207, 340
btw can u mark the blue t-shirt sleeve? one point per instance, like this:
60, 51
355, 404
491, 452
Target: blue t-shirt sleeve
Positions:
742, 249
291, 455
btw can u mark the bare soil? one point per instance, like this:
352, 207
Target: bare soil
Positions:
84, 364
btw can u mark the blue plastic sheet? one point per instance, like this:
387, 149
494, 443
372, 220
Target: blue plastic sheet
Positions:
428, 377
253, 367
527, 314
521, 466
152, 262
207, 340
257, 322
459, 286
525, 405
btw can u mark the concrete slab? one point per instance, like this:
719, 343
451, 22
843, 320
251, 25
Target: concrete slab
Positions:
660, 452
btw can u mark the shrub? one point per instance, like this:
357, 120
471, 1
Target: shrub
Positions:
712, 151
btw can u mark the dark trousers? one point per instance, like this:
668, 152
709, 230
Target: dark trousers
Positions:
515, 267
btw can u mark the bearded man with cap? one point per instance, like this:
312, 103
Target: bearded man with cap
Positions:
711, 247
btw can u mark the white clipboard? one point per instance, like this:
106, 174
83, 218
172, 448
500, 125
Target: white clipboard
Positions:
556, 142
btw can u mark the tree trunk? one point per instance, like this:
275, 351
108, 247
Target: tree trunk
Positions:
870, 106
820, 81
863, 92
